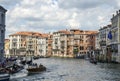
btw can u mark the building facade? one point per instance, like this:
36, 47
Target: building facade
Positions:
115, 41
7, 47
2, 31
64, 43
42, 44
23, 43
73, 43
49, 44
104, 42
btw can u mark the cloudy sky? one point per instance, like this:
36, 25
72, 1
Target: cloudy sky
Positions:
52, 15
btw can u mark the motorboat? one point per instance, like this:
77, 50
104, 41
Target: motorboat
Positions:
12, 69
35, 69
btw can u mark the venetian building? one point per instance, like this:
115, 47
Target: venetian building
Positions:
83, 42
42, 45
115, 40
56, 44
65, 41
104, 42
23, 43
2, 31
73, 43
49, 41
18, 44
91, 41
7, 46
97, 39
59, 44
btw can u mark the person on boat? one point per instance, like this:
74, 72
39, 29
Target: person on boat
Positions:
3, 64
40, 65
14, 68
36, 64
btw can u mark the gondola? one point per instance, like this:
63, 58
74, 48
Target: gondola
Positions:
93, 61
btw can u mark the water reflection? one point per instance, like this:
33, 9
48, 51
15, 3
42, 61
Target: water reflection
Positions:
61, 69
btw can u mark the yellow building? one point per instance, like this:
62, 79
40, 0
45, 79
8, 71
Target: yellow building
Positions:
7, 46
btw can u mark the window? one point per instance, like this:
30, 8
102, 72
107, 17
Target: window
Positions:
81, 48
2, 31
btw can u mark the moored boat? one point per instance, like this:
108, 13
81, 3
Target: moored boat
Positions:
11, 69
36, 57
23, 62
93, 61
4, 77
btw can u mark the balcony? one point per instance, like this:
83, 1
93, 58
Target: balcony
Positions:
102, 43
56, 49
56, 43
76, 44
14, 46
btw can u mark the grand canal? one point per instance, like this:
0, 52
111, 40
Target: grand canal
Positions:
61, 69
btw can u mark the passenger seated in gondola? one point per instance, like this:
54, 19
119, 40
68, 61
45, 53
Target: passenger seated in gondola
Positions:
40, 65
36, 64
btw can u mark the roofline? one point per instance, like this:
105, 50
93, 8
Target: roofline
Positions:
3, 8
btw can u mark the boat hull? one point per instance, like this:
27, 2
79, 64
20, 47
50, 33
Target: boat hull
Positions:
93, 61
4, 77
35, 70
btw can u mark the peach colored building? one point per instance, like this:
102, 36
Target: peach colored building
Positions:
91, 45
63, 43
49, 41
73, 43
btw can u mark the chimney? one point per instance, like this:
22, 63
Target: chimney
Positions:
113, 15
117, 12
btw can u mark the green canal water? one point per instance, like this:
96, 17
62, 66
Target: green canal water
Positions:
62, 69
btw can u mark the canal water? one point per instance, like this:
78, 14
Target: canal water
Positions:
63, 69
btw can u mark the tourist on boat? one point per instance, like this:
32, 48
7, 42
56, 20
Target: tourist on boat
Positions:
14, 67
40, 65
36, 64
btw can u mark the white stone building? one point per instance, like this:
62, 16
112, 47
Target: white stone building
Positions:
115, 41
17, 46
56, 44
2, 31
97, 39
103, 38
103, 43
23, 43
42, 46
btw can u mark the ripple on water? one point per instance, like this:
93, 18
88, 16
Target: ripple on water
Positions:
74, 70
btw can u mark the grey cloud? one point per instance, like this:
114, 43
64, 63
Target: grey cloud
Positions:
34, 17
9, 3
85, 4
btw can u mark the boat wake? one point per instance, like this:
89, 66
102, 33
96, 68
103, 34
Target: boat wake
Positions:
20, 74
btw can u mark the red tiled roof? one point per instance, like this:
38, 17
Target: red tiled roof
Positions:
26, 33
64, 31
